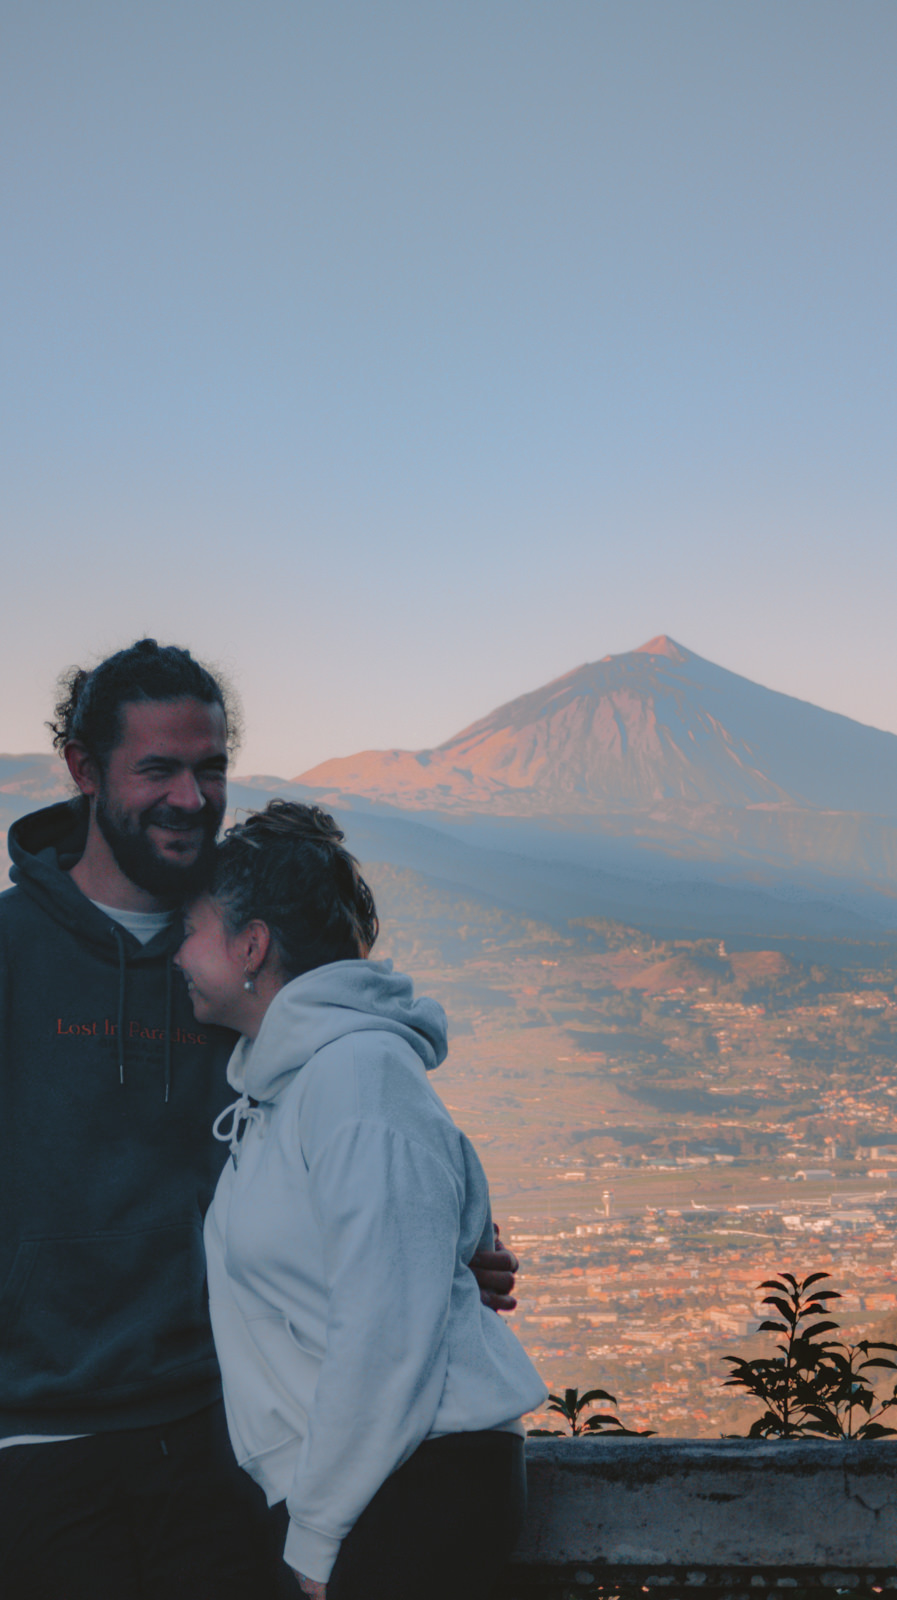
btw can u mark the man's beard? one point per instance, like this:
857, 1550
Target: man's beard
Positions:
136, 856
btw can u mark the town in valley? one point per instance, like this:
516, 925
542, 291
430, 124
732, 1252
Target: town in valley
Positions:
666, 1123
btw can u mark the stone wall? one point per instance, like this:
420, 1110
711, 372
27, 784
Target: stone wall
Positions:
724, 1517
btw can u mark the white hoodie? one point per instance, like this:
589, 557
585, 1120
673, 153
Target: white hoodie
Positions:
348, 1325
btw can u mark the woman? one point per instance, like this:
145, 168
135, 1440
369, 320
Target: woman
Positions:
374, 1396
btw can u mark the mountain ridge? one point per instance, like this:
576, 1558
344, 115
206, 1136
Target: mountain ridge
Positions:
652, 726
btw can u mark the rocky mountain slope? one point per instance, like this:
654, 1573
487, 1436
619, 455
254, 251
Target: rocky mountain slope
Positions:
654, 726
652, 761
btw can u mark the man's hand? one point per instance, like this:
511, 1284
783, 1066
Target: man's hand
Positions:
495, 1271
310, 1586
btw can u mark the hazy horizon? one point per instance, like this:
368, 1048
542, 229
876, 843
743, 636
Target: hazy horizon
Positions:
43, 743
399, 359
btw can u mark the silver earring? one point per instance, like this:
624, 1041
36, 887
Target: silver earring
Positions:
249, 984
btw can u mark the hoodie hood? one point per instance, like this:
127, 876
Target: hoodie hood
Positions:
326, 1004
43, 847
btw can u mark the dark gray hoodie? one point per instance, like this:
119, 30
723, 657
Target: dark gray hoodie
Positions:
107, 1163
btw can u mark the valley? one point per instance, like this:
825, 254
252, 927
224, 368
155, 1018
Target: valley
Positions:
664, 1125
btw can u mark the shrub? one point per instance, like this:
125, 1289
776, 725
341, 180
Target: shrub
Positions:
816, 1386
571, 1406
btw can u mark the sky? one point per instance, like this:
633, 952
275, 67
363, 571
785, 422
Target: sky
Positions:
399, 358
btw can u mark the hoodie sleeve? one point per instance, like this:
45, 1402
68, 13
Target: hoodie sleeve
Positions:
389, 1211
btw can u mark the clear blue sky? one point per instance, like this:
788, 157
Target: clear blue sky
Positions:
402, 356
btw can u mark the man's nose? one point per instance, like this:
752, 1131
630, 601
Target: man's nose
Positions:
184, 792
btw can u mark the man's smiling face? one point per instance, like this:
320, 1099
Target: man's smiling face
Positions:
161, 798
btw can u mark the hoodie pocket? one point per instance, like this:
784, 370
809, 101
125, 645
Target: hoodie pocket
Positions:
104, 1317
269, 1384
16, 1284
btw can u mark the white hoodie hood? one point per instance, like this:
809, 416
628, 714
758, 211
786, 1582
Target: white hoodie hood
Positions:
348, 1325
325, 1005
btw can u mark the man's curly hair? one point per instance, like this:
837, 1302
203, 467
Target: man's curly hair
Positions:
89, 707
287, 866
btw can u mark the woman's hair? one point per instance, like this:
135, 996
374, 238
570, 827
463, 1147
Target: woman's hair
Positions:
89, 707
287, 867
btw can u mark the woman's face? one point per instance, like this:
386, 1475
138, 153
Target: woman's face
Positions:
214, 963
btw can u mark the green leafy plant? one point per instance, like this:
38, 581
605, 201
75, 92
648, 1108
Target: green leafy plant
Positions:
571, 1406
848, 1409
816, 1386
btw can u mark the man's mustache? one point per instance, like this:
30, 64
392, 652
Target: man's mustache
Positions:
208, 818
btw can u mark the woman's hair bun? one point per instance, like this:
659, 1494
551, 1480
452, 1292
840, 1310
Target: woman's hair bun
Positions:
288, 866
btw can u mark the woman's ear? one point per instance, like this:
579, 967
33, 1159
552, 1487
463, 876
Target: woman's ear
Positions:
257, 935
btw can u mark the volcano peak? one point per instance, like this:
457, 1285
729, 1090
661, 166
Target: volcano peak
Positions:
622, 736
663, 645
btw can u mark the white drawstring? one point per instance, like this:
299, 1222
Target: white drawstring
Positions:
242, 1113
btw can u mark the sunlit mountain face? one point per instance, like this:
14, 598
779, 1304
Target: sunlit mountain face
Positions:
653, 726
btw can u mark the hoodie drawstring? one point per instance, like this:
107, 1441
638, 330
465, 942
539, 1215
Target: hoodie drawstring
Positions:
122, 980
243, 1112
119, 936
168, 970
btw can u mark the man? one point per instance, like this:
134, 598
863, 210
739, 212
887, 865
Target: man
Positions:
116, 1479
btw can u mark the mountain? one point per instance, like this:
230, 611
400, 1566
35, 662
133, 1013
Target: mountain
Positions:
651, 727
657, 762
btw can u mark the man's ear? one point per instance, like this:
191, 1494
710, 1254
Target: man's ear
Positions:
83, 767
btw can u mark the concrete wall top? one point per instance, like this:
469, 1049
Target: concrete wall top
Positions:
727, 1502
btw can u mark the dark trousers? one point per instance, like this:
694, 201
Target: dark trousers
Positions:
440, 1528
149, 1514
